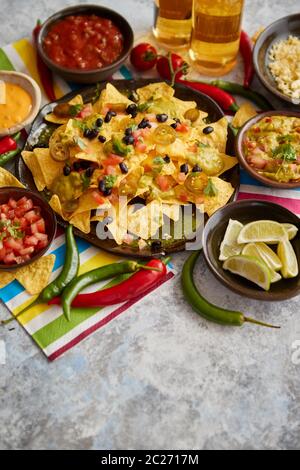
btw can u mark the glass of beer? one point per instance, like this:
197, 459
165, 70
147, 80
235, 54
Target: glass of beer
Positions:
173, 22
216, 35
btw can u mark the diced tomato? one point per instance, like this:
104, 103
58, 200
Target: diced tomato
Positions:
163, 182
181, 177
183, 198
182, 128
27, 251
112, 160
13, 244
85, 112
258, 162
11, 214
20, 212
141, 147
31, 216
2, 253
98, 198
26, 206
42, 244
41, 237
9, 258
5, 208
23, 223
12, 203
22, 201
110, 170
31, 240
41, 226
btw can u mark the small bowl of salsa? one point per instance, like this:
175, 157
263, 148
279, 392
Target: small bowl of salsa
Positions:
27, 227
20, 101
268, 147
85, 43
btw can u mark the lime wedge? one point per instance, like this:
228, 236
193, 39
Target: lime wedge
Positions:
264, 253
266, 231
229, 246
289, 260
250, 268
291, 229
275, 277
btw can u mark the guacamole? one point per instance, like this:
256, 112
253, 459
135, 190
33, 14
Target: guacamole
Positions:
272, 148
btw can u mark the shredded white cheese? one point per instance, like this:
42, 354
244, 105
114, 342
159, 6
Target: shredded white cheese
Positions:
285, 66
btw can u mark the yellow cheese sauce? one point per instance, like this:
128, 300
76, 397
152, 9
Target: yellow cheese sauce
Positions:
18, 104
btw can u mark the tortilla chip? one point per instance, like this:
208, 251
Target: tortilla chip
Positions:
6, 279
50, 169
35, 277
146, 221
183, 106
217, 139
171, 211
51, 117
110, 96
246, 112
8, 179
31, 162
229, 162
82, 221
55, 204
155, 91
87, 202
225, 191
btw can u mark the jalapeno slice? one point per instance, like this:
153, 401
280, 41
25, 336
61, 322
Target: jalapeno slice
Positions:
164, 135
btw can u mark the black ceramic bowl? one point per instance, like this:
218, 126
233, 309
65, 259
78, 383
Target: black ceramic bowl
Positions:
46, 212
277, 31
87, 76
245, 212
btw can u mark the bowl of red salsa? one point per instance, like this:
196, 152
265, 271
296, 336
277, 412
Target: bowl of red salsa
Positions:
85, 43
27, 227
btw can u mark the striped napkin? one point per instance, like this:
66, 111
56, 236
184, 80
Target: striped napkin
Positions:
46, 325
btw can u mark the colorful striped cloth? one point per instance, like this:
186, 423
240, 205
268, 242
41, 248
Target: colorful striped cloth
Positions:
46, 325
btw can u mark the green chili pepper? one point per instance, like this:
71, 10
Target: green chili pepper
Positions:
237, 89
69, 272
203, 307
7, 157
92, 277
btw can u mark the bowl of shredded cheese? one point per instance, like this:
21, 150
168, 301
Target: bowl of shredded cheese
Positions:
277, 58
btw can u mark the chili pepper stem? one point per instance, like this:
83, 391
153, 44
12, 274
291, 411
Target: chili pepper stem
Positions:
15, 317
256, 322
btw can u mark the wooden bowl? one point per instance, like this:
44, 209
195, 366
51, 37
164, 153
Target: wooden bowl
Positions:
245, 212
46, 212
239, 151
29, 85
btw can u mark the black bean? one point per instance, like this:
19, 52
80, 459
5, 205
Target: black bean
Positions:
132, 109
102, 139
133, 96
84, 164
197, 169
167, 159
208, 130
101, 186
67, 170
89, 172
144, 124
162, 117
107, 192
128, 140
109, 116
156, 245
99, 122
174, 126
184, 168
177, 120
90, 133
129, 131
123, 168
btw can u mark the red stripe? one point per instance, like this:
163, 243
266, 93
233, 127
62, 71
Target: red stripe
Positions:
292, 204
106, 320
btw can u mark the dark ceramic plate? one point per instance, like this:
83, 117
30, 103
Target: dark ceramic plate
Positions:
278, 31
39, 126
239, 151
245, 212
88, 76
46, 212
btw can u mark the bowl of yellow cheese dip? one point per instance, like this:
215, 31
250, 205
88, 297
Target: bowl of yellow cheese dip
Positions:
20, 101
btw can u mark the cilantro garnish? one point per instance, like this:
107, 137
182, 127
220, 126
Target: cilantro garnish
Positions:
286, 152
110, 181
285, 139
210, 190
142, 107
75, 109
158, 161
119, 148
85, 181
10, 229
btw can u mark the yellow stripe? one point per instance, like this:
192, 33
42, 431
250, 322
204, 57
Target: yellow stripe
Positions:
28, 55
97, 261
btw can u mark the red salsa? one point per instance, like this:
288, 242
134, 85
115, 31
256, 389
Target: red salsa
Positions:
22, 231
84, 42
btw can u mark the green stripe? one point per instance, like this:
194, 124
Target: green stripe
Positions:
59, 327
5, 63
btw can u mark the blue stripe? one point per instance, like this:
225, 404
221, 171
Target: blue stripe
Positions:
125, 72
247, 179
9, 292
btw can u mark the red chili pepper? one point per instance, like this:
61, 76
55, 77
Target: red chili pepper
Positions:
246, 51
224, 99
136, 285
7, 144
45, 73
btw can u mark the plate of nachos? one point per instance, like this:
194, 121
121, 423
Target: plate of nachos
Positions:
129, 163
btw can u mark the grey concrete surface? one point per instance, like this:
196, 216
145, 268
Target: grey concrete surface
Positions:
158, 376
